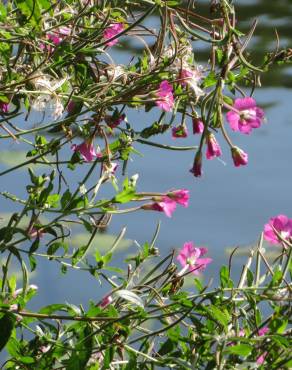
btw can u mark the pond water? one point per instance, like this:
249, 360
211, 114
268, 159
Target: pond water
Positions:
229, 206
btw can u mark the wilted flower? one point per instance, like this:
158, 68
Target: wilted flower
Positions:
191, 77
113, 121
86, 150
282, 225
48, 98
190, 255
240, 158
110, 168
213, 147
196, 170
113, 30
181, 196
245, 115
165, 95
198, 126
179, 132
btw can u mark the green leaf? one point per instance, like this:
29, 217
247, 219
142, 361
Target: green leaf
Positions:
220, 315
210, 80
31, 10
66, 198
240, 349
6, 324
125, 196
224, 278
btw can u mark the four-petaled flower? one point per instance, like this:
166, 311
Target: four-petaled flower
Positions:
165, 99
245, 115
190, 256
240, 158
213, 147
113, 30
281, 225
179, 132
181, 196
86, 150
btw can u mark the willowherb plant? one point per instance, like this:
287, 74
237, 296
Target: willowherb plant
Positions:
57, 68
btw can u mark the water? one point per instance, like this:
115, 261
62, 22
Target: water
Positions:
229, 206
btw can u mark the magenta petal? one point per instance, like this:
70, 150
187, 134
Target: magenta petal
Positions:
244, 127
233, 118
280, 222
203, 251
244, 103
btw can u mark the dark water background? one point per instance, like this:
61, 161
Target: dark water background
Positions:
229, 205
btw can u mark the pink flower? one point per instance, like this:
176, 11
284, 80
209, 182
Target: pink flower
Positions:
263, 331
106, 301
245, 115
282, 224
86, 150
198, 126
240, 158
213, 148
261, 359
4, 107
166, 205
166, 101
197, 166
55, 39
190, 255
181, 197
113, 30
179, 132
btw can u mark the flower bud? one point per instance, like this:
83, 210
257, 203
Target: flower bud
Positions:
198, 126
197, 167
213, 147
240, 158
